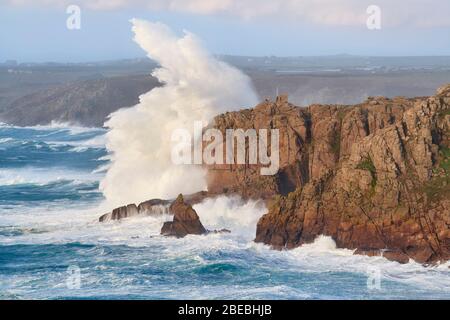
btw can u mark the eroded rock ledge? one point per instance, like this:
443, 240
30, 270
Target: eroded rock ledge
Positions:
150, 207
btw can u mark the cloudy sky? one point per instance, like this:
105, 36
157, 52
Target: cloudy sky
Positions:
35, 30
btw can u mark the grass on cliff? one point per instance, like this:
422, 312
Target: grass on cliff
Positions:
442, 114
336, 139
439, 186
444, 162
336, 144
367, 164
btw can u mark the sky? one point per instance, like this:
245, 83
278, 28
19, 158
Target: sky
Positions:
36, 31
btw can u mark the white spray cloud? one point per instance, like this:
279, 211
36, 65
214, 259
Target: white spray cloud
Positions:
196, 88
231, 213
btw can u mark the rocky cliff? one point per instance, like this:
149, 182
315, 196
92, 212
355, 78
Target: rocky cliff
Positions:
373, 176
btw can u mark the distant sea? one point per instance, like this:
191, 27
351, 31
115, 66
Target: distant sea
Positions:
53, 247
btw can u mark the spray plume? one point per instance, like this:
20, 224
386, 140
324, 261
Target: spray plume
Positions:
196, 88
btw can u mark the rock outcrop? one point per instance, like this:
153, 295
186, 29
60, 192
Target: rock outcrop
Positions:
375, 177
313, 140
185, 220
150, 207
146, 208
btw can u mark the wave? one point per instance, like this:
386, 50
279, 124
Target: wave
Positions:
102, 168
231, 212
55, 137
52, 131
222, 212
16, 145
136, 243
43, 176
323, 256
4, 140
50, 204
78, 156
53, 126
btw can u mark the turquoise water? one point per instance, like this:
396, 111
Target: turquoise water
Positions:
49, 206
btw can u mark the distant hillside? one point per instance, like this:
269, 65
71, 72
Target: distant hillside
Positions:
86, 102
86, 93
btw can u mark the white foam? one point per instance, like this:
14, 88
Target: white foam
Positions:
50, 224
97, 142
231, 213
71, 127
42, 176
323, 256
4, 140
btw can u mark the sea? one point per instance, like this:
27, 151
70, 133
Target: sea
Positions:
53, 247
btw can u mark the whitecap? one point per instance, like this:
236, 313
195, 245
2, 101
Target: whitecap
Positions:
42, 176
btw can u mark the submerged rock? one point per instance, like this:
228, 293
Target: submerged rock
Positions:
393, 255
185, 220
220, 231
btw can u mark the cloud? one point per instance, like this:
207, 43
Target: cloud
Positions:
423, 13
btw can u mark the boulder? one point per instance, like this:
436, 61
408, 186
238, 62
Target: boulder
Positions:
185, 220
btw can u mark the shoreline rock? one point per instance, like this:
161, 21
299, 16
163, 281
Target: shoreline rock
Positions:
387, 189
146, 208
392, 255
185, 220
150, 207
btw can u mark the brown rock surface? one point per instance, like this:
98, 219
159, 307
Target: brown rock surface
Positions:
150, 207
185, 220
387, 187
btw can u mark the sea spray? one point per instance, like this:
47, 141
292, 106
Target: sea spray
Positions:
196, 88
233, 213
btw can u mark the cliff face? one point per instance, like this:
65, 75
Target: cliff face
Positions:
373, 176
313, 140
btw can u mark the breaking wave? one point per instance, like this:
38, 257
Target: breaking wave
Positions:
196, 88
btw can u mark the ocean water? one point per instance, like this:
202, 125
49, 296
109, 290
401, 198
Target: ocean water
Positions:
52, 247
